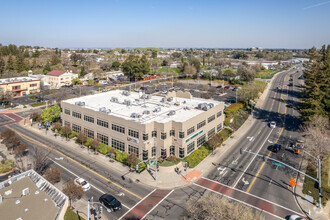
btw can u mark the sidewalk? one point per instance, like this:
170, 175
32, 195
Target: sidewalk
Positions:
167, 178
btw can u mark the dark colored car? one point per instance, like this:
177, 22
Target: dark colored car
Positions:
290, 105
110, 202
290, 84
219, 87
276, 148
227, 87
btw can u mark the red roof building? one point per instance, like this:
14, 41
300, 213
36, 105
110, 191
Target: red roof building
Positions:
56, 72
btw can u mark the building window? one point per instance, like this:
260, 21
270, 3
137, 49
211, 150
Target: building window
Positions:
190, 130
117, 144
89, 119
118, 128
76, 114
16, 87
33, 85
219, 114
163, 135
211, 132
89, 133
133, 133
145, 154
145, 137
172, 150
210, 118
163, 154
172, 133
133, 150
102, 123
191, 147
154, 134
181, 152
76, 128
103, 139
219, 127
67, 111
201, 140
153, 151
201, 124
181, 134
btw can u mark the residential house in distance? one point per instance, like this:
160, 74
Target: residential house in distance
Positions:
28, 196
20, 86
59, 78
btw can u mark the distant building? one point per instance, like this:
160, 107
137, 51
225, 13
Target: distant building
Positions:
59, 78
28, 196
174, 65
20, 86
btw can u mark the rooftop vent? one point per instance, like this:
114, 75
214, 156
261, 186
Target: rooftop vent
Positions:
135, 115
157, 109
102, 109
211, 105
108, 111
79, 103
172, 112
206, 107
25, 191
126, 93
114, 99
201, 105
163, 99
127, 102
169, 99
146, 112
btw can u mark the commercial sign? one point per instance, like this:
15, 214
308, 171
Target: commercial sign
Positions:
133, 140
278, 164
191, 137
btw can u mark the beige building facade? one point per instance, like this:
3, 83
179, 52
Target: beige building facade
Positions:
20, 86
59, 78
142, 124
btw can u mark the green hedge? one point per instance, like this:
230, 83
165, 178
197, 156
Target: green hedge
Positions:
224, 134
36, 104
227, 121
234, 108
73, 134
6, 165
71, 215
88, 141
103, 149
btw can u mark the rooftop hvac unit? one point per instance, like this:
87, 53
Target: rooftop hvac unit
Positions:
157, 109
82, 103
146, 112
211, 105
135, 115
137, 100
206, 107
114, 99
148, 96
172, 112
77, 103
201, 105
127, 102
108, 111
126, 93
163, 99
25, 191
169, 99
102, 109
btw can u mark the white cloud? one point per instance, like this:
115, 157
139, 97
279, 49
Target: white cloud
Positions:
316, 5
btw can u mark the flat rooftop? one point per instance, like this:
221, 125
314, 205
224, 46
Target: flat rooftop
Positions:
17, 79
126, 104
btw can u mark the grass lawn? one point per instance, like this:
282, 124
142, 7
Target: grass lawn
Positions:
168, 71
266, 74
167, 163
71, 215
6, 166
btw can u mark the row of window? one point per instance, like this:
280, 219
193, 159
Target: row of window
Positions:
89, 133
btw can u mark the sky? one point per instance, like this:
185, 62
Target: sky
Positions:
166, 23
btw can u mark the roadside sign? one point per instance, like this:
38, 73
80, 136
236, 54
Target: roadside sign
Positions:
47, 123
293, 182
278, 164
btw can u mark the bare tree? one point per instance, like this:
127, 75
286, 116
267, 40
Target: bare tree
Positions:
53, 174
132, 159
19, 150
95, 144
57, 126
66, 130
318, 137
12, 141
213, 207
73, 191
81, 137
40, 159
189, 70
6, 133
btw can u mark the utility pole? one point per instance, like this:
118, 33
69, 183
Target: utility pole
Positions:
156, 161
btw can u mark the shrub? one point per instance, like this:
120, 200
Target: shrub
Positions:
197, 156
36, 104
88, 141
6, 165
234, 108
103, 149
121, 156
73, 134
224, 134
227, 121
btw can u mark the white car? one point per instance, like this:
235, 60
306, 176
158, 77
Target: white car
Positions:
164, 92
83, 183
295, 217
272, 124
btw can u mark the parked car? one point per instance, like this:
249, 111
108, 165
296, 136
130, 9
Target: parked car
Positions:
290, 84
295, 217
164, 92
234, 89
279, 87
227, 87
218, 87
272, 124
276, 148
110, 202
83, 183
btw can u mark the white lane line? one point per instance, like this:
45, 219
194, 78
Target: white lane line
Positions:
270, 181
253, 158
253, 196
157, 204
136, 204
89, 183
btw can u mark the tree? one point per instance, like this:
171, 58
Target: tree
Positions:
244, 73
197, 64
35, 116
11, 64
57, 126
229, 73
82, 71
81, 137
53, 174
77, 57
2, 65
90, 82
106, 66
7, 133
318, 137
12, 141
40, 159
135, 67
165, 63
76, 81
176, 55
115, 65
50, 114
189, 70
132, 160
66, 130
73, 191
19, 150
6, 96
214, 207
154, 54
249, 91
95, 144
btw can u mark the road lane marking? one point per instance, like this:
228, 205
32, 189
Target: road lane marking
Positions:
253, 158
29, 139
157, 204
